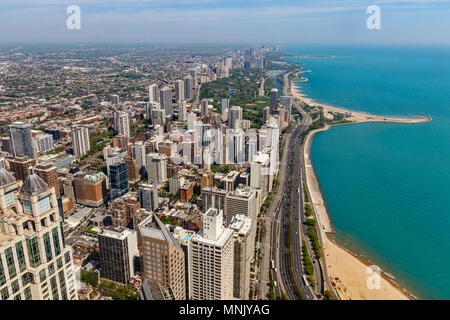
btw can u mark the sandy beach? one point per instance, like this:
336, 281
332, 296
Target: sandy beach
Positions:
348, 274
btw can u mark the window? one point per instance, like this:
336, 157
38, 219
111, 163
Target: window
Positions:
10, 262
54, 286
56, 241
20, 256
15, 286
67, 257
27, 278
27, 293
61, 226
51, 269
42, 275
4, 293
26, 204
48, 247
9, 198
44, 205
2, 273
33, 252
59, 262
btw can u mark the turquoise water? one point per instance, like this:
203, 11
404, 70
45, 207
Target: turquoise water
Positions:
387, 186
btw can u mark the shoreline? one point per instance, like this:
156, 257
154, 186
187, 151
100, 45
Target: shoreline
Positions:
347, 271
352, 116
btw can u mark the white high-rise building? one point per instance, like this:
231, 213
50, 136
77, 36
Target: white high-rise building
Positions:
80, 141
191, 121
235, 146
153, 92
115, 99
225, 107
44, 143
260, 177
35, 262
244, 248
123, 124
179, 90
138, 152
182, 110
211, 260
156, 167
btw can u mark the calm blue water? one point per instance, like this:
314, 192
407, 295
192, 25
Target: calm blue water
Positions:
388, 185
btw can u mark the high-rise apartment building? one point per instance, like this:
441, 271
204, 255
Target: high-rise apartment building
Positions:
20, 165
43, 143
153, 92
122, 123
148, 197
132, 168
273, 101
234, 117
118, 179
243, 251
80, 141
21, 140
204, 107
240, 201
35, 263
188, 88
165, 99
156, 167
179, 90
117, 249
182, 111
162, 257
49, 173
211, 260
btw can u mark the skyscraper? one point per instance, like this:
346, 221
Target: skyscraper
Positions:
182, 111
162, 257
21, 140
117, 248
211, 260
123, 124
44, 143
138, 152
179, 90
80, 141
244, 248
118, 179
35, 263
148, 197
273, 101
225, 107
234, 117
49, 173
204, 107
153, 92
156, 167
165, 99
188, 87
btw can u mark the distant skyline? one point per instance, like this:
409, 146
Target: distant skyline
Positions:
412, 22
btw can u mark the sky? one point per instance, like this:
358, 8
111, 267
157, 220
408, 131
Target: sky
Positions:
403, 22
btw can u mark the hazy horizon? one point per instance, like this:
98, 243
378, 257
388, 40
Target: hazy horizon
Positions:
403, 22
